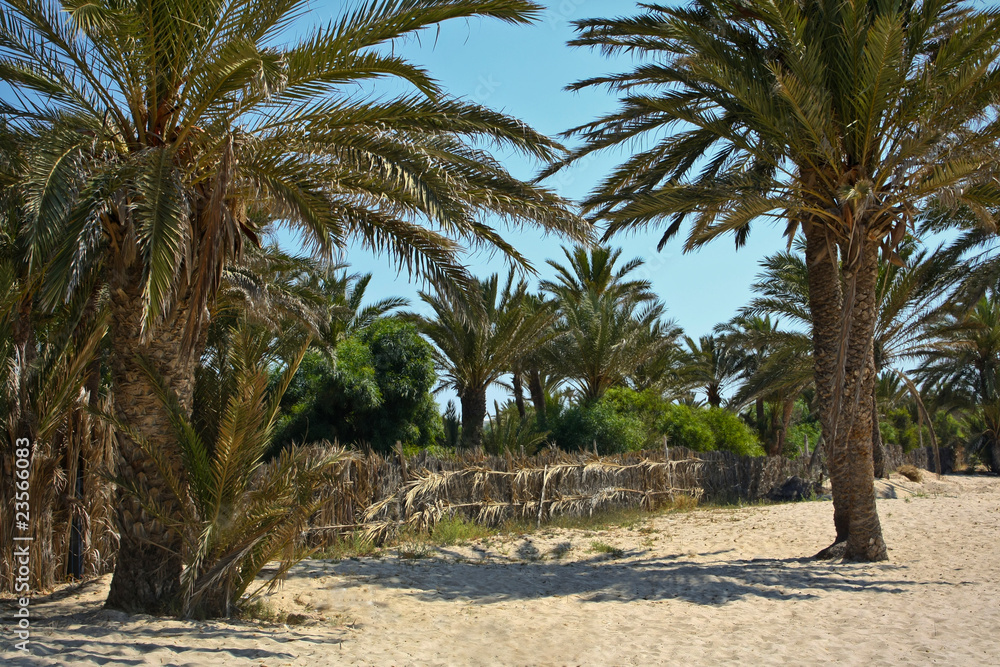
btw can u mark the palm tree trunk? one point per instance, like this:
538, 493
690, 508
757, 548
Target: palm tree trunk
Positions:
473, 415
854, 453
519, 395
712, 394
825, 304
787, 408
148, 568
537, 396
878, 447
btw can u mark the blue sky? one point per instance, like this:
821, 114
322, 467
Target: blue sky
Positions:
522, 71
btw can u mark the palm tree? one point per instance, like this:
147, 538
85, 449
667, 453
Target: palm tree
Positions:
775, 366
712, 364
172, 130
838, 118
608, 326
962, 363
908, 294
478, 338
593, 270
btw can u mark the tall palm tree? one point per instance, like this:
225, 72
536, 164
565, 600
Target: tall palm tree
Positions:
908, 294
174, 129
838, 118
478, 338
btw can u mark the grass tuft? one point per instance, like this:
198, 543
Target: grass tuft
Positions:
262, 611
912, 473
605, 548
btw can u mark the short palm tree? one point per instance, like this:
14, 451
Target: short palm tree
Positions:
712, 365
171, 131
610, 326
478, 338
838, 118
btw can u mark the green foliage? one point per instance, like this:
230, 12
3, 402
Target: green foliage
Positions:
508, 432
580, 426
682, 423
797, 433
452, 427
950, 431
237, 513
628, 420
900, 428
731, 433
709, 429
378, 392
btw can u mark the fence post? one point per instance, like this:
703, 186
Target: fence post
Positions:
541, 502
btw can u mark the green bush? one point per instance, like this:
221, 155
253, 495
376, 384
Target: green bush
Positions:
709, 429
685, 428
378, 392
627, 420
579, 426
731, 433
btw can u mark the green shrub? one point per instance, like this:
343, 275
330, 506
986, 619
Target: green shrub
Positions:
378, 392
730, 433
683, 425
579, 426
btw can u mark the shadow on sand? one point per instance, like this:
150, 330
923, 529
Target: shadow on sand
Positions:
631, 576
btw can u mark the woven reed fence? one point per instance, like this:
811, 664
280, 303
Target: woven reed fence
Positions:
380, 494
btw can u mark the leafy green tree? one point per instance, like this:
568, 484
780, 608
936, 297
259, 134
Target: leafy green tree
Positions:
583, 425
377, 392
840, 119
173, 131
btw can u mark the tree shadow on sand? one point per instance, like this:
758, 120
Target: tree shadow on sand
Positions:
108, 637
633, 576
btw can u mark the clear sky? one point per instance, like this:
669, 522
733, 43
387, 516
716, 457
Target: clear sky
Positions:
522, 71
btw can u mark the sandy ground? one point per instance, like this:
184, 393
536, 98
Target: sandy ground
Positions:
712, 586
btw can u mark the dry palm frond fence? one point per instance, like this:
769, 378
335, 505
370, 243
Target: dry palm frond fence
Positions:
379, 494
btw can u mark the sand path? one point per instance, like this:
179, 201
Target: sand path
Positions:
718, 586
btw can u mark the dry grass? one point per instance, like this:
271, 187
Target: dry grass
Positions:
912, 473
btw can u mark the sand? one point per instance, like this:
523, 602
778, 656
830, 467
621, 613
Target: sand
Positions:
706, 587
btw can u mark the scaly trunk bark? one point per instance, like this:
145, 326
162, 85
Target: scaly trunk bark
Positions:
787, 407
825, 303
878, 447
148, 568
519, 395
537, 396
473, 415
712, 394
853, 454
